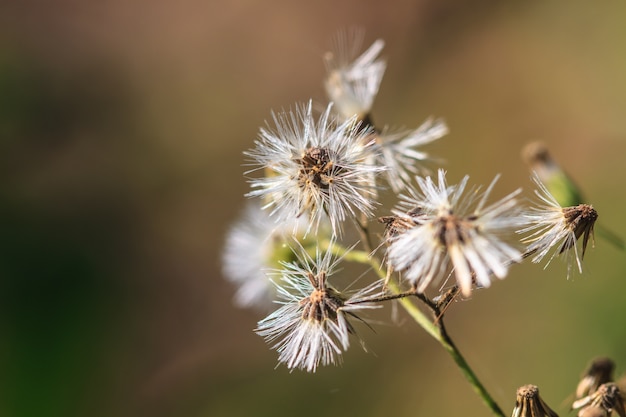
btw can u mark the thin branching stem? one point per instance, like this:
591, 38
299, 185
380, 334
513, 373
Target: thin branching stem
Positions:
435, 328
386, 297
363, 230
450, 347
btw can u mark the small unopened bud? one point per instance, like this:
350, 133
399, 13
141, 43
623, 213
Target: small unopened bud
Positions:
529, 404
606, 398
563, 190
536, 155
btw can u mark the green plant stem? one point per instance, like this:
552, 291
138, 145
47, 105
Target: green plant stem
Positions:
437, 331
467, 371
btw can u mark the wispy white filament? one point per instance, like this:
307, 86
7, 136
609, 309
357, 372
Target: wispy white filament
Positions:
550, 233
399, 151
353, 80
252, 246
306, 341
450, 228
319, 169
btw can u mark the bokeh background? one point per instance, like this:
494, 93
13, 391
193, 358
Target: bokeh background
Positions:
122, 126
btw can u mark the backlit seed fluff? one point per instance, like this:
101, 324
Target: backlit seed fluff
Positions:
254, 244
352, 80
439, 227
552, 228
312, 326
320, 169
399, 151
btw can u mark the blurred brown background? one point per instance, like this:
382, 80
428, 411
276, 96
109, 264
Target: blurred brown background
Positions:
122, 126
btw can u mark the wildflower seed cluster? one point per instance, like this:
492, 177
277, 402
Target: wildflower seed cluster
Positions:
317, 170
312, 175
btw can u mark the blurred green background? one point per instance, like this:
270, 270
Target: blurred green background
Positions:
122, 126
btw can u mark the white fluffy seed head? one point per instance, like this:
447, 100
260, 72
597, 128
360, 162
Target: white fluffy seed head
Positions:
320, 169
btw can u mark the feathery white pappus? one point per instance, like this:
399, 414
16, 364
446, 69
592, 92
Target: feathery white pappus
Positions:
312, 325
318, 168
444, 227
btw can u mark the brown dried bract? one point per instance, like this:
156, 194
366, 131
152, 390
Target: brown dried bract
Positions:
580, 219
396, 225
529, 404
317, 168
607, 397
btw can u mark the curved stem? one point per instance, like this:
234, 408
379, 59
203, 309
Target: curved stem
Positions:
436, 330
467, 371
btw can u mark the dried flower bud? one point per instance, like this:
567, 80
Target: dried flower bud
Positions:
396, 225
529, 404
555, 229
599, 371
607, 397
580, 220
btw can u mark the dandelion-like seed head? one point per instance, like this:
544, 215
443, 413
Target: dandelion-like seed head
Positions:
605, 400
439, 226
353, 80
312, 326
552, 228
320, 169
323, 303
254, 244
399, 152
528, 403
